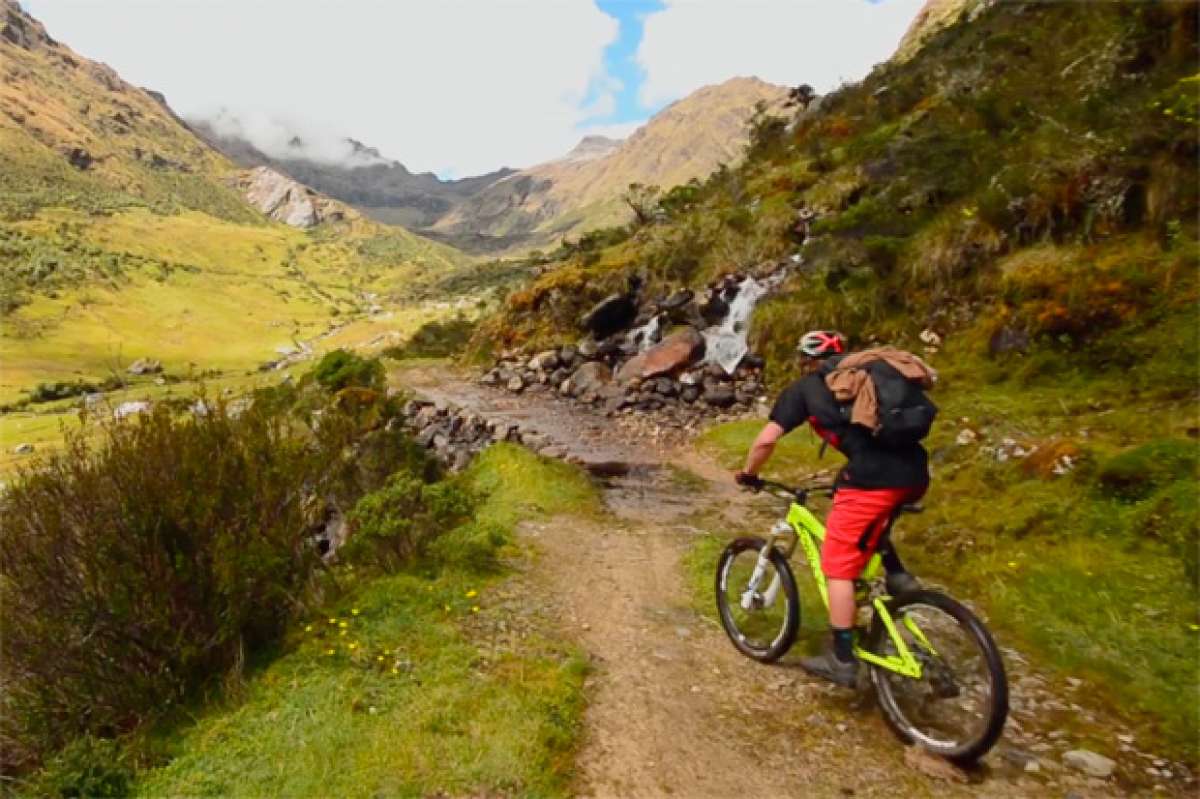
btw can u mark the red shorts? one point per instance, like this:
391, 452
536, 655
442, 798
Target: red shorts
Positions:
856, 522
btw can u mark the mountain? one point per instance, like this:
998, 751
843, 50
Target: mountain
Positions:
72, 130
123, 235
686, 140
381, 188
507, 209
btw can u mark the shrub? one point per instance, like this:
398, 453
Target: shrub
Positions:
1173, 516
149, 556
473, 546
394, 525
436, 339
342, 368
1137, 473
49, 392
87, 767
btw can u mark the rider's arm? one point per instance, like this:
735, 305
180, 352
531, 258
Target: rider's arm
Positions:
762, 447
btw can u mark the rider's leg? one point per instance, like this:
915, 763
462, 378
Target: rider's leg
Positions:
891, 559
841, 618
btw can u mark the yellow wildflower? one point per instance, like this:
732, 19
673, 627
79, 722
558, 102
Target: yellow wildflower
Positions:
308, 628
333, 621
474, 608
354, 611
328, 651
472, 594
342, 624
341, 632
353, 646
1012, 564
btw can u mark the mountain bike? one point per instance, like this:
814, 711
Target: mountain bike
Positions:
936, 670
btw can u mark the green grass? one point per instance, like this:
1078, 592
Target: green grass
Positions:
795, 456
404, 687
440, 712
520, 484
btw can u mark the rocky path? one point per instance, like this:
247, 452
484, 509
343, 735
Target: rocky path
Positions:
673, 709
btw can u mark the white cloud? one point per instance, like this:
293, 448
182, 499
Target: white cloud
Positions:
278, 138
451, 86
459, 87
692, 43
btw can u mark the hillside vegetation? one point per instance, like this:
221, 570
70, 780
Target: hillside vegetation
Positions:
1023, 188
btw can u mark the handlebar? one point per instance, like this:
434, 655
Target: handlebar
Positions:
797, 494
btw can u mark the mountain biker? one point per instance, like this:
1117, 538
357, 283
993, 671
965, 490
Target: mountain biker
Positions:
869, 490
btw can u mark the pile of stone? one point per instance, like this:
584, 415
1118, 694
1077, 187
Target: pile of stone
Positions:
455, 435
668, 375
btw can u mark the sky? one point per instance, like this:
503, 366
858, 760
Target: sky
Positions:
463, 87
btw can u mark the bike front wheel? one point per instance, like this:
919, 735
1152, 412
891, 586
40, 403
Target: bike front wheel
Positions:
758, 602
958, 707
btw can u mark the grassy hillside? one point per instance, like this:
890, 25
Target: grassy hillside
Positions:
122, 236
1023, 187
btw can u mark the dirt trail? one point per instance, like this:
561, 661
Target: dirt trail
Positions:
673, 709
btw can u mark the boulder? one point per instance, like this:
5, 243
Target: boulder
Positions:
666, 387
545, 361
752, 361
676, 351
144, 366
689, 394
1090, 763
516, 383
588, 349
591, 378
611, 315
677, 300
492, 378
130, 409
720, 396
567, 356
714, 309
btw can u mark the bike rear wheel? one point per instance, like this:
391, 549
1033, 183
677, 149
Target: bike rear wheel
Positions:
957, 709
761, 620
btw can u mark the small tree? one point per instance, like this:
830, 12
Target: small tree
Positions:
643, 201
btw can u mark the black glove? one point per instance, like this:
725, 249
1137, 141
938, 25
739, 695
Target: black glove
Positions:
748, 480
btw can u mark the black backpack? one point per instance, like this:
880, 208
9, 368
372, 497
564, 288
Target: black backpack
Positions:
906, 414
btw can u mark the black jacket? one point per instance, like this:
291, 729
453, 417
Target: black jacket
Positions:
869, 464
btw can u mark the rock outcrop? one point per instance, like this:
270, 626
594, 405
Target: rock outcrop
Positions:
287, 201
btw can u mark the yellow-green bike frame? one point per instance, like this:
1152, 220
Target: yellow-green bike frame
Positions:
803, 527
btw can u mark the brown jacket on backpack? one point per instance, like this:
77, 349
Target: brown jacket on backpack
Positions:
850, 382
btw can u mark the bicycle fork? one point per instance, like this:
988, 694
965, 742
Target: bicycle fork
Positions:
751, 599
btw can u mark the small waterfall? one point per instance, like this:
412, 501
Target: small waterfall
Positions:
725, 343
647, 335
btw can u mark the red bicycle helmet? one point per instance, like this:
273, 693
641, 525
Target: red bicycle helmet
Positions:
822, 343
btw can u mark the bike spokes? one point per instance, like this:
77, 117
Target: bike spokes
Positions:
756, 597
959, 701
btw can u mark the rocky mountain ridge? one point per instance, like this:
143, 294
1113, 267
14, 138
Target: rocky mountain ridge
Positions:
382, 188
535, 206
688, 139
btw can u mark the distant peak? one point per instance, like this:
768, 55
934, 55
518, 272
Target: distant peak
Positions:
592, 147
